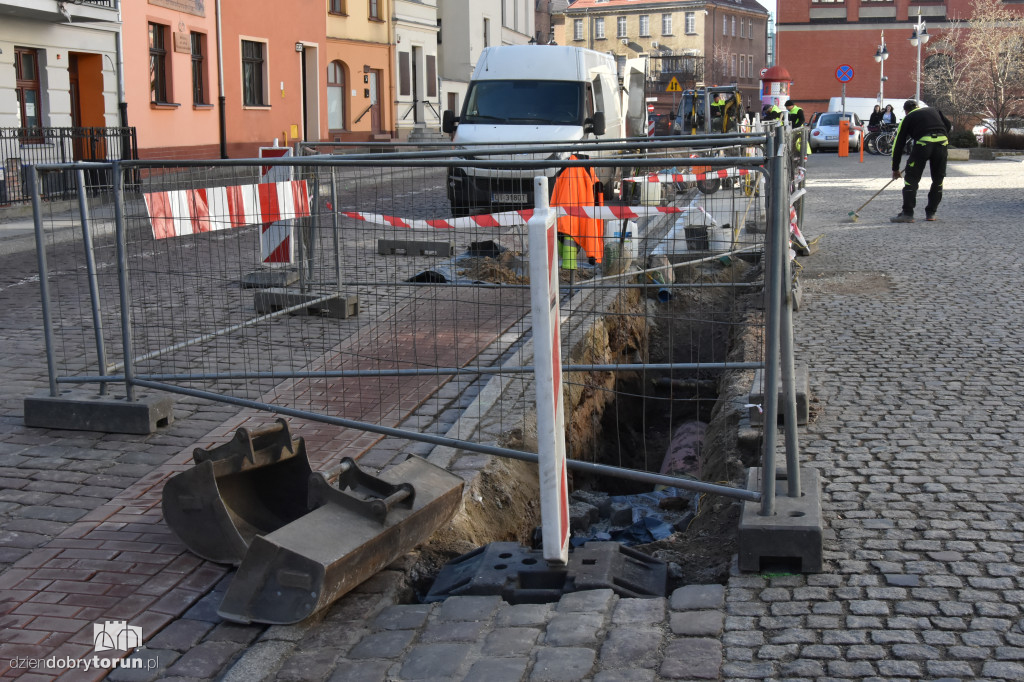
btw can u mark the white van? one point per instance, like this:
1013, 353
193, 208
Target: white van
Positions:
538, 94
863, 106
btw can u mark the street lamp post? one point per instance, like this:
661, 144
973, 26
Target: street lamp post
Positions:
918, 38
881, 54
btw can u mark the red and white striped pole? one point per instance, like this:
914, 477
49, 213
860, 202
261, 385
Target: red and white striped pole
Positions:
547, 362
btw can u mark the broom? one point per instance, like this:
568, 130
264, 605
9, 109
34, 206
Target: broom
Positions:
855, 214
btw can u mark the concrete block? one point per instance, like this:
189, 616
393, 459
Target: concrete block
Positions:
793, 535
413, 247
954, 154
802, 386
265, 279
339, 306
83, 409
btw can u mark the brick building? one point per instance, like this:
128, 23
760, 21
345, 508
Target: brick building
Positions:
814, 37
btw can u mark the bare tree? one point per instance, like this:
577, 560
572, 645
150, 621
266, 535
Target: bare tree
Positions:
946, 80
993, 60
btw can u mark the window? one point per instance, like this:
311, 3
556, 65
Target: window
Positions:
487, 32
504, 13
375, 9
734, 27
691, 23
26, 71
666, 24
725, 26
743, 23
599, 28
743, 66
732, 70
620, 27
336, 7
750, 65
404, 74
253, 80
645, 26
750, 28
158, 64
336, 96
431, 75
198, 69
577, 29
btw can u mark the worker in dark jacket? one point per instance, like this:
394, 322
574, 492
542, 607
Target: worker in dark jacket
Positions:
796, 120
929, 129
796, 114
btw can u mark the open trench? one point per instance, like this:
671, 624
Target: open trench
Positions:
628, 419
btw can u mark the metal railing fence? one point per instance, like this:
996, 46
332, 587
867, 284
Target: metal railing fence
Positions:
388, 303
21, 148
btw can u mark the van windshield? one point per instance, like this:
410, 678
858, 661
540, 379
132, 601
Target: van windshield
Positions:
524, 102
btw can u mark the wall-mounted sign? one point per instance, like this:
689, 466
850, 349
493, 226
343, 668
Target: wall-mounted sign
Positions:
182, 42
195, 7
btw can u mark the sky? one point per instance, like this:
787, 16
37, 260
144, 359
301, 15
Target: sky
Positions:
769, 4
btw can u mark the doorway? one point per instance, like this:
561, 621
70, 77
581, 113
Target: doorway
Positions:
372, 83
417, 88
310, 95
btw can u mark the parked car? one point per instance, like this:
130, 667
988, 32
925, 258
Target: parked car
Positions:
1014, 126
825, 133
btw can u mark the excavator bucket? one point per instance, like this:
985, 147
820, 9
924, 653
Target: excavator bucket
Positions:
251, 485
299, 542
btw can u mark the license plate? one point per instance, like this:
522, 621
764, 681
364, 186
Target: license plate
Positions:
508, 198
831, 137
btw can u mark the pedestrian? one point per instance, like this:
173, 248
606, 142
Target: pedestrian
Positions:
929, 129
796, 114
876, 117
889, 116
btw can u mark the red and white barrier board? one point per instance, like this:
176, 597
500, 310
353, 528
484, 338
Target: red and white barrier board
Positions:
177, 213
547, 361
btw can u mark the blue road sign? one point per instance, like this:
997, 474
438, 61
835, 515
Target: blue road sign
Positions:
844, 74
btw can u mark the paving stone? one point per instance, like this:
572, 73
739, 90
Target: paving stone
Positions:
387, 644
498, 670
697, 623
522, 614
692, 658
588, 601
361, 671
434, 661
510, 641
452, 631
632, 647
205, 660
632, 675
181, 635
403, 617
696, 597
573, 629
562, 664
468, 608
153, 662
638, 611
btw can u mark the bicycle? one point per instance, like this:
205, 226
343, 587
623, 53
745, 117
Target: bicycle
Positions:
874, 134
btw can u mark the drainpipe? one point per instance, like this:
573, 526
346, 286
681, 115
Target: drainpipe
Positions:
122, 105
221, 100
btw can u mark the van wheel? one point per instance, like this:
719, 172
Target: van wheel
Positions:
709, 186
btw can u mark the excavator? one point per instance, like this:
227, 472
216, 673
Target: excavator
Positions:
707, 110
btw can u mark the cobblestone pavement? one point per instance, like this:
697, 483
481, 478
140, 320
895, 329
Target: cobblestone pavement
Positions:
909, 335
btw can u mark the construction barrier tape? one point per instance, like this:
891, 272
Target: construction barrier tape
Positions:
691, 177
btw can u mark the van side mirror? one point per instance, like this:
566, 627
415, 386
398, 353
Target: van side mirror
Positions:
672, 116
597, 123
448, 121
